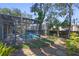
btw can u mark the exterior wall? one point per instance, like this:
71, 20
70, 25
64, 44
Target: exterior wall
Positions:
74, 28
44, 26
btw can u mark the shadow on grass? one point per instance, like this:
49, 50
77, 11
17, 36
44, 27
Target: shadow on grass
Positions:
40, 43
52, 50
18, 53
43, 47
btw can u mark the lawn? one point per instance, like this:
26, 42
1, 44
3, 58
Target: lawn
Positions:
38, 43
44, 46
41, 47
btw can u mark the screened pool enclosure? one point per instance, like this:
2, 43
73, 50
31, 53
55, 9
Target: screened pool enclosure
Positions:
14, 28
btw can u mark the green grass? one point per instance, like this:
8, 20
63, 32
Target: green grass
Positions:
46, 41
38, 44
53, 38
7, 50
25, 45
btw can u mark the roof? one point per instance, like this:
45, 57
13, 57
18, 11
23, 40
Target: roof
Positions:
12, 18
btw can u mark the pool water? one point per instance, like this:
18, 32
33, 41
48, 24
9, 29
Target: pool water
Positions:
30, 36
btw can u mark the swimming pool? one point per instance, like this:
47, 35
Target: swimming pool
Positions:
32, 36
29, 36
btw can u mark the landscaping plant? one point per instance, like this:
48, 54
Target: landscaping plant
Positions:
73, 44
5, 50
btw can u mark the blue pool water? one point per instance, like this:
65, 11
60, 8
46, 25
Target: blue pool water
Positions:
30, 36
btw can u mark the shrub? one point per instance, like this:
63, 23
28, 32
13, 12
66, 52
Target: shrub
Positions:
73, 44
5, 50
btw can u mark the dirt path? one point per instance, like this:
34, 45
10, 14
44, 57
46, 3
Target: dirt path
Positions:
57, 49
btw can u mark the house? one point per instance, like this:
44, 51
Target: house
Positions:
75, 28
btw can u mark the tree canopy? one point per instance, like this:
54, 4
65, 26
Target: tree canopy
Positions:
14, 12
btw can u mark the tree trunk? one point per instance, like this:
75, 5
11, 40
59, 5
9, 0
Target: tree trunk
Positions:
70, 23
69, 20
40, 29
58, 33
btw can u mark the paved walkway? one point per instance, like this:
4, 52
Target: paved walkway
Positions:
57, 49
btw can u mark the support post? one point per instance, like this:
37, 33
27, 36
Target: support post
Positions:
2, 32
14, 32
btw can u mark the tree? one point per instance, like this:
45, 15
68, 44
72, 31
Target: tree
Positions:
28, 16
16, 12
5, 11
55, 22
41, 11
13, 12
65, 23
74, 21
65, 10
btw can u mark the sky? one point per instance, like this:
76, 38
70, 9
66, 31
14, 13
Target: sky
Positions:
26, 7
21, 6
